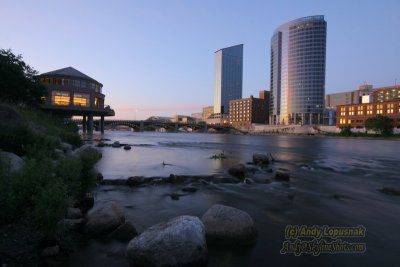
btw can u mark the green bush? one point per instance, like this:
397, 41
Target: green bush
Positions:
346, 131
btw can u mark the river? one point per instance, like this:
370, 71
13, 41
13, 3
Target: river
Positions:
334, 182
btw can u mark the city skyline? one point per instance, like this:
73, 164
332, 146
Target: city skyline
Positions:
156, 58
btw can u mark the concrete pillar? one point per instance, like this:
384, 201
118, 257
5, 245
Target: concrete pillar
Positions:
102, 124
319, 118
141, 127
205, 128
176, 127
90, 124
311, 118
303, 117
84, 124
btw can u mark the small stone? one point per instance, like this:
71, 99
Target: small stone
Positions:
116, 144
238, 171
248, 181
261, 159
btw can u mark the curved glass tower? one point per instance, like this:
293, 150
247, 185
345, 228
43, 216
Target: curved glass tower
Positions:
298, 51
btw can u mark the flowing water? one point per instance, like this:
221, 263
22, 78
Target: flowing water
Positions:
334, 182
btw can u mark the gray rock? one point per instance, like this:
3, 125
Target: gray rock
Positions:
178, 242
134, 181
67, 148
74, 213
124, 232
116, 144
238, 171
87, 151
282, 174
248, 181
104, 218
11, 161
391, 191
101, 144
228, 226
261, 159
98, 175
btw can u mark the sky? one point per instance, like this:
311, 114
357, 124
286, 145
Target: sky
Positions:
156, 57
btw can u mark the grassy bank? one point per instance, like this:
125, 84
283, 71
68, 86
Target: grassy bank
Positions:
52, 178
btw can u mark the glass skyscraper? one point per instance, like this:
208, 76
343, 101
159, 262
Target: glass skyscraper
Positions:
298, 52
228, 77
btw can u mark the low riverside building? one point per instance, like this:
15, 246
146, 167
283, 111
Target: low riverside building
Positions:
244, 112
72, 93
207, 112
385, 101
356, 115
348, 98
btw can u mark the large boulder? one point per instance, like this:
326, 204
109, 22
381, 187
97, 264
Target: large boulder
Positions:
238, 171
282, 174
11, 161
104, 218
228, 226
178, 242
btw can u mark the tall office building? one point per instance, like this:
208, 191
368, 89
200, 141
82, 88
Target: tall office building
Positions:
228, 77
298, 51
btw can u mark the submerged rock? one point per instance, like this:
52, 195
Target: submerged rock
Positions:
104, 218
116, 144
282, 174
178, 242
261, 159
228, 226
127, 147
190, 189
238, 171
391, 191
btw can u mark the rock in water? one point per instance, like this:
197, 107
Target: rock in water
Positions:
261, 159
238, 171
228, 226
282, 174
104, 218
116, 144
178, 242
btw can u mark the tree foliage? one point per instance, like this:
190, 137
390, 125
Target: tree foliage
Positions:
17, 84
380, 124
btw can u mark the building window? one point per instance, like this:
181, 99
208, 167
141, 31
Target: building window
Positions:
369, 109
351, 111
379, 109
360, 110
82, 100
60, 98
57, 81
389, 108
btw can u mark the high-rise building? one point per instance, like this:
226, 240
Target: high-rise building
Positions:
228, 77
298, 51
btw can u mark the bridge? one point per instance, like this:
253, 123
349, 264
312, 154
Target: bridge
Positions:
148, 125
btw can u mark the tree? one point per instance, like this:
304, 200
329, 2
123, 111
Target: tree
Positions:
17, 84
380, 124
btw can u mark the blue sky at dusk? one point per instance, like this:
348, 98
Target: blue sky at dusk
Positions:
157, 57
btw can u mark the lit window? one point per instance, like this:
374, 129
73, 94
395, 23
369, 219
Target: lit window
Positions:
81, 100
60, 98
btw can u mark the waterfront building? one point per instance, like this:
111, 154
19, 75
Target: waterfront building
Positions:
228, 77
384, 101
207, 112
244, 112
298, 52
197, 117
355, 115
72, 93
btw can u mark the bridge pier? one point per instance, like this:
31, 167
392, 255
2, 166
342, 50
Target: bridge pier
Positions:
205, 128
141, 126
84, 125
102, 124
90, 124
176, 127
